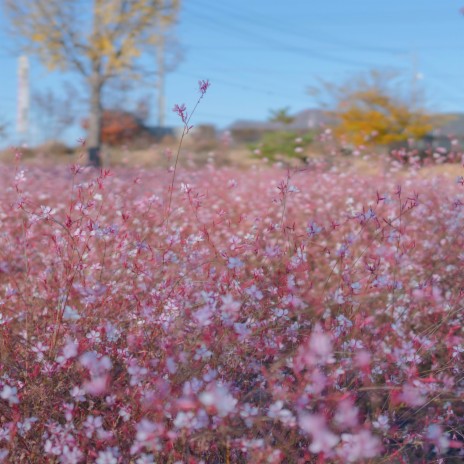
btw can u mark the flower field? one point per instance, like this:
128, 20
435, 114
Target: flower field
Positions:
265, 317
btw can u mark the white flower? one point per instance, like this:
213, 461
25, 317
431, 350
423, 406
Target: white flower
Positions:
254, 292
218, 397
145, 459
26, 425
276, 411
356, 447
381, 423
47, 211
125, 414
78, 394
70, 314
3, 455
203, 315
5, 433
40, 349
10, 394
438, 438
293, 188
94, 336
4, 320
234, 263
184, 419
92, 424
457, 350
109, 456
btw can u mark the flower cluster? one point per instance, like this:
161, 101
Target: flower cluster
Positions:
317, 320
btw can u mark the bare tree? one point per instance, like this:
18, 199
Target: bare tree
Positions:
54, 112
99, 44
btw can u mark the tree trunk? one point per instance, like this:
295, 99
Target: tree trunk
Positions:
95, 122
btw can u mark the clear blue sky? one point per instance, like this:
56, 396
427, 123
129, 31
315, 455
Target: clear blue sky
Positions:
263, 54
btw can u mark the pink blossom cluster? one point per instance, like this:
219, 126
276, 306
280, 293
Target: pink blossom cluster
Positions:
273, 318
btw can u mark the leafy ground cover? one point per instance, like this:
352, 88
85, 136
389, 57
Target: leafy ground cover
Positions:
269, 317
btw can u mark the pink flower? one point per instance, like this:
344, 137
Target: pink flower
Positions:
317, 351
217, 397
362, 445
68, 411
95, 363
98, 367
147, 436
203, 86
320, 346
97, 386
412, 396
347, 414
229, 309
181, 111
323, 440
70, 349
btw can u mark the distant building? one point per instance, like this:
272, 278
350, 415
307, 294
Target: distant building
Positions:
453, 128
247, 131
160, 132
447, 137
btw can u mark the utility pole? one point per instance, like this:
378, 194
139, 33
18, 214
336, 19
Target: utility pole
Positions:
161, 63
22, 123
415, 78
161, 73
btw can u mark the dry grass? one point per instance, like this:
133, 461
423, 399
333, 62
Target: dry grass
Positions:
161, 156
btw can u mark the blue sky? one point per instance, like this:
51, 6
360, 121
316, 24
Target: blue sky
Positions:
263, 54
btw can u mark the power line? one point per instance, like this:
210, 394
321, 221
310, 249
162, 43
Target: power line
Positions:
244, 87
259, 71
274, 44
321, 38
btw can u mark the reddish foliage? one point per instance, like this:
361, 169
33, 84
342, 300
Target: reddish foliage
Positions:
119, 127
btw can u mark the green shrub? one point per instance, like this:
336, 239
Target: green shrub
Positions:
282, 144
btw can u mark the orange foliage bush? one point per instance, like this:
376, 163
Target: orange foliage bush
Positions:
119, 127
376, 109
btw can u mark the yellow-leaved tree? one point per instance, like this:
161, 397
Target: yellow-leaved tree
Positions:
375, 109
98, 39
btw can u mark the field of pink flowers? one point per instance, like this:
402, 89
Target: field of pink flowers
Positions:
270, 317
